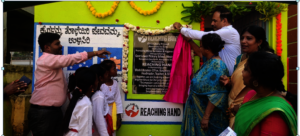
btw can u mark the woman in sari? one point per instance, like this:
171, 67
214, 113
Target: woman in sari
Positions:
205, 108
253, 39
266, 109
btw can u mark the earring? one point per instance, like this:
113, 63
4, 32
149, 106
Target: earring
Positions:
255, 83
92, 90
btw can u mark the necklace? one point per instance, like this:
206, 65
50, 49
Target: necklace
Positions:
265, 96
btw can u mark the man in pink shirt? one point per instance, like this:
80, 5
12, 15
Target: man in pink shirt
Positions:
50, 88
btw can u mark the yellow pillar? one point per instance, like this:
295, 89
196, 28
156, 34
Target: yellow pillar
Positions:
16, 107
19, 115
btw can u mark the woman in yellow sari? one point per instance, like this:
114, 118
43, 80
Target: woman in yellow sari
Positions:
253, 39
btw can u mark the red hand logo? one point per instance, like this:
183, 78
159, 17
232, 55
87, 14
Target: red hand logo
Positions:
131, 113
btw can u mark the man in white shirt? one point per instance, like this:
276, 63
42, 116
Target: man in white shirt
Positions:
221, 23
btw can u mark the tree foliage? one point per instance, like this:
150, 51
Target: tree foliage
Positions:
198, 10
270, 9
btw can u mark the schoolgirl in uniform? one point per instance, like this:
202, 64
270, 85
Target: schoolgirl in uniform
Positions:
112, 94
78, 117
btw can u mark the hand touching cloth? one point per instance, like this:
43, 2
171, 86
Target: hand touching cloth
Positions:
181, 72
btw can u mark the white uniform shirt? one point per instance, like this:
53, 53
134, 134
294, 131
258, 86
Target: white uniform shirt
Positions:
229, 35
100, 109
112, 94
82, 118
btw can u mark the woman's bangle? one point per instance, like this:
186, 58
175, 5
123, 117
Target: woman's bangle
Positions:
94, 53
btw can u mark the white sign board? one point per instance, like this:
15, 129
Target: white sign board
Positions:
78, 38
143, 111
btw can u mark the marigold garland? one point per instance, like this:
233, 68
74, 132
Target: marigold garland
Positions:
201, 29
105, 14
129, 27
278, 35
146, 12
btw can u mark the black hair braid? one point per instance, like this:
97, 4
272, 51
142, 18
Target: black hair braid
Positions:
84, 78
72, 82
76, 95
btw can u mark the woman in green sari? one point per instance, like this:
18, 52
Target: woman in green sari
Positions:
267, 110
205, 108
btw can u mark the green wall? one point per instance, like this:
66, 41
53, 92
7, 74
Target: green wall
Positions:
78, 13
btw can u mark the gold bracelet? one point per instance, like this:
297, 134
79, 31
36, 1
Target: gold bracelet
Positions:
94, 52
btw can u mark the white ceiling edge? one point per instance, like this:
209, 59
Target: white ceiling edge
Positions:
29, 9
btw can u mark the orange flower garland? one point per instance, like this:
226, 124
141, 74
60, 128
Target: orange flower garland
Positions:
105, 14
201, 29
146, 12
278, 35
202, 24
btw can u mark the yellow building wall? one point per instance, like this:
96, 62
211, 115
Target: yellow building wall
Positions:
78, 13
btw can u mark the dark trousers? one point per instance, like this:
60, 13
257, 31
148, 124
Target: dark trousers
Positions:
44, 121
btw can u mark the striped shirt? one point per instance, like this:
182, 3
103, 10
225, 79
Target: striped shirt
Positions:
229, 35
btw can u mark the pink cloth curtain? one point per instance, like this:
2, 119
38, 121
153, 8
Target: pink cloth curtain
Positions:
181, 71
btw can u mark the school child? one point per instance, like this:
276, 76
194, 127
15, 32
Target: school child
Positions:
78, 117
102, 121
112, 94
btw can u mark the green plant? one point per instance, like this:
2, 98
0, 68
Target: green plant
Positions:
234, 9
270, 9
198, 10
17, 54
22, 56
